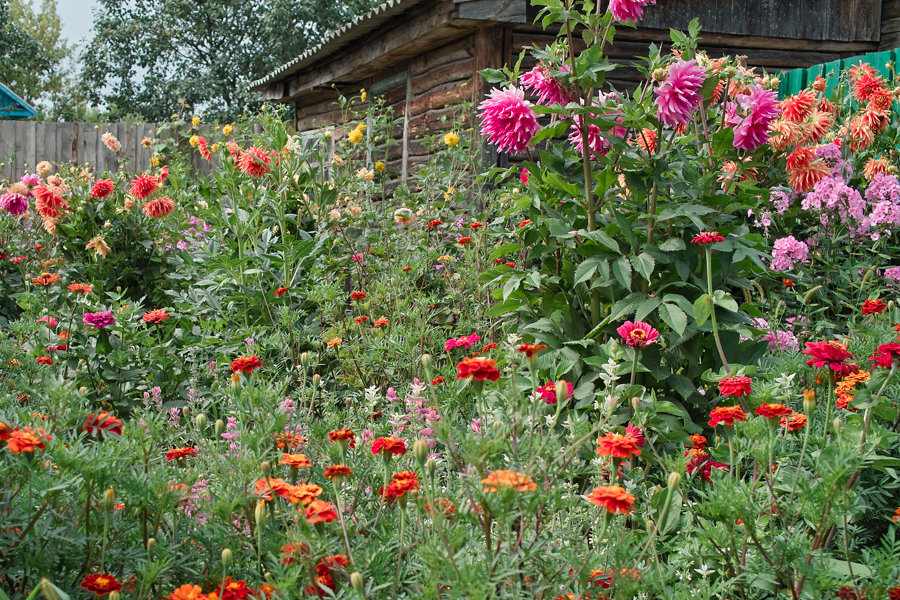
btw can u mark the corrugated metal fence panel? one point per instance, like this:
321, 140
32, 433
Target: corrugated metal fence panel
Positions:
796, 79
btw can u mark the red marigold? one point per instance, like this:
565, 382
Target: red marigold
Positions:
830, 354
143, 185
401, 484
787, 283
476, 225
27, 439
246, 364
434, 223
357, 296
477, 367
438, 380
870, 307
613, 498
319, 510
772, 411
726, 415
388, 445
529, 350
159, 207
44, 360
735, 386
345, 436
254, 161
444, 506
380, 322
102, 188
361, 319
797, 421
618, 446
155, 316
100, 584
179, 453
280, 291
103, 425
707, 237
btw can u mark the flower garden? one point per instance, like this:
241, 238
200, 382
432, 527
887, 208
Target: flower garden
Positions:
655, 359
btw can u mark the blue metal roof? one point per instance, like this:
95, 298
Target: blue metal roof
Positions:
13, 107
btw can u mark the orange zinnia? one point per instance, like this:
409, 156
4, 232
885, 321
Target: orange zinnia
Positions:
45, 279
388, 445
613, 498
337, 471
80, 287
618, 446
155, 316
726, 415
519, 482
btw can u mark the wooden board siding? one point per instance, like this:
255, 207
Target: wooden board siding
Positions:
890, 25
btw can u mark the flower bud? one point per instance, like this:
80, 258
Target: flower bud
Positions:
109, 499
837, 424
185, 411
260, 514
426, 363
220, 426
659, 74
304, 358
266, 467
227, 557
49, 591
809, 401
674, 479
150, 543
200, 420
316, 380
650, 525
356, 580
561, 391
431, 465
611, 403
236, 380
114, 595
729, 71
420, 451
82, 390
635, 403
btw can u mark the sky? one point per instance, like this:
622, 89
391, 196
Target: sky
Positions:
77, 18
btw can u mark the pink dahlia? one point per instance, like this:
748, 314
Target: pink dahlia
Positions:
750, 117
14, 204
638, 334
507, 119
596, 140
548, 89
678, 96
628, 10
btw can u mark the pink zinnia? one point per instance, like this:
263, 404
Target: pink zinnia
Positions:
886, 355
14, 204
50, 321
465, 341
636, 434
548, 391
523, 177
751, 115
100, 319
548, 89
638, 334
678, 96
628, 10
507, 119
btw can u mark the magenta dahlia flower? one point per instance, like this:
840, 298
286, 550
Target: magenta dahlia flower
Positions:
628, 10
678, 96
507, 119
750, 117
548, 89
100, 319
14, 204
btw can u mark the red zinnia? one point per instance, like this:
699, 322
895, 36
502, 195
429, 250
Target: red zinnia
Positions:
830, 354
388, 445
280, 291
531, 349
477, 367
357, 295
886, 355
143, 185
100, 584
177, 453
707, 237
613, 498
103, 425
102, 188
735, 386
772, 411
873, 306
726, 415
618, 446
246, 364
155, 316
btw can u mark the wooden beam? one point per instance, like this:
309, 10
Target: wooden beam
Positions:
505, 11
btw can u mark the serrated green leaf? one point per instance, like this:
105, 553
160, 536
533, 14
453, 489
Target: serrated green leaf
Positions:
674, 317
622, 271
644, 264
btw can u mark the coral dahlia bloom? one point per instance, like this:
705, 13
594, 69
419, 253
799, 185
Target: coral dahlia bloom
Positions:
678, 95
295, 461
726, 415
159, 207
99, 246
507, 119
617, 445
178, 453
49, 200
628, 10
796, 108
204, 149
503, 479
479, 368
613, 498
143, 185
870, 307
102, 188
27, 439
875, 166
100, 584
797, 421
111, 142
254, 161
735, 386
344, 436
99, 320
638, 334
388, 445
102, 425
319, 510
155, 316
831, 355
805, 169
707, 237
772, 411
245, 364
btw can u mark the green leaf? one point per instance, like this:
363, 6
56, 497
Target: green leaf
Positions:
622, 271
674, 317
493, 75
586, 269
703, 306
646, 307
601, 237
672, 245
720, 298
504, 308
511, 285
643, 264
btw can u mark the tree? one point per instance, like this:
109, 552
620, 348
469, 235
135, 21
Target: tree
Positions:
36, 60
149, 59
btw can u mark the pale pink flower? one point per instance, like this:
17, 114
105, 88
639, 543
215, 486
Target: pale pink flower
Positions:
678, 95
786, 252
507, 119
110, 141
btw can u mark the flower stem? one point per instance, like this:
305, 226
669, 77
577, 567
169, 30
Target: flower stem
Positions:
712, 311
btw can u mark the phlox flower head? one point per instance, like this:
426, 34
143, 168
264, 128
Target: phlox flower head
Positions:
507, 119
788, 251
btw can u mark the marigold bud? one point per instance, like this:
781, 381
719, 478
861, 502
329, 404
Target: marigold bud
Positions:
426, 361
109, 499
316, 380
809, 401
420, 451
561, 391
674, 479
150, 543
266, 467
201, 421
220, 426
235, 380
114, 595
356, 580
304, 358
837, 424
635, 402
431, 465
49, 591
260, 514
185, 411
227, 557
82, 390
650, 525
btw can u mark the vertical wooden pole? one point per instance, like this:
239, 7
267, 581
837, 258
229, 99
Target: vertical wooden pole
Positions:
404, 163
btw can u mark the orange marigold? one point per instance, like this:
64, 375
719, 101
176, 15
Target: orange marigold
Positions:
27, 439
618, 446
100, 584
388, 445
187, 592
319, 510
337, 471
514, 480
296, 461
345, 436
772, 411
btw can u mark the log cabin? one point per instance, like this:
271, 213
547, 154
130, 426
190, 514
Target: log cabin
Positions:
423, 56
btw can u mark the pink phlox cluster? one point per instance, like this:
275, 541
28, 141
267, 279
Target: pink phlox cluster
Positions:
787, 252
174, 417
287, 406
194, 501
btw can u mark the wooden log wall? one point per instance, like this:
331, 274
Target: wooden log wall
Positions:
890, 25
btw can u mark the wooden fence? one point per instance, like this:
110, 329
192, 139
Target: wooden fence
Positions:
796, 79
23, 144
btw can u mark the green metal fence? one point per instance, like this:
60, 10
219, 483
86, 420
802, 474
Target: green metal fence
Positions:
796, 79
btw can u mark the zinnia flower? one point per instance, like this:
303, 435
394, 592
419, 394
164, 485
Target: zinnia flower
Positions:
735, 386
503, 479
159, 207
707, 237
678, 95
617, 445
246, 364
102, 188
613, 498
886, 356
99, 320
388, 445
100, 584
531, 349
479, 368
726, 415
831, 355
357, 296
45, 279
179, 453
319, 510
772, 411
638, 334
143, 185
155, 316
507, 119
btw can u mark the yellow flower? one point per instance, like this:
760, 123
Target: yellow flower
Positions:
364, 173
363, 95
451, 191
379, 166
214, 147
194, 140
195, 120
99, 246
355, 136
226, 130
361, 126
154, 160
451, 139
